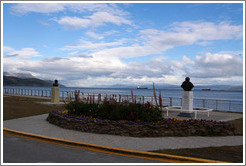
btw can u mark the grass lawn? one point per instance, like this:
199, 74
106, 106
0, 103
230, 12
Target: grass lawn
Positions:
238, 123
17, 107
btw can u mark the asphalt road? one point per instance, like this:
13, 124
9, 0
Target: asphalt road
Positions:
23, 150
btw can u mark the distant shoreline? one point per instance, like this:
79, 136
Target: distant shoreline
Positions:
33, 86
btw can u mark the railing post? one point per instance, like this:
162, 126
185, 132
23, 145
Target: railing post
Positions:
230, 105
203, 103
171, 101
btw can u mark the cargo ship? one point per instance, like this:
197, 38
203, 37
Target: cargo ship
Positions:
206, 89
141, 87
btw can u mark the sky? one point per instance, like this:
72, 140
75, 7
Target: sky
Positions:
94, 44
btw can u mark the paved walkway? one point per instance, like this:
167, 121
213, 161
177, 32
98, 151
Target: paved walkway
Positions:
39, 125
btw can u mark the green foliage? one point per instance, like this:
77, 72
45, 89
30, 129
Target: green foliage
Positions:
81, 108
113, 110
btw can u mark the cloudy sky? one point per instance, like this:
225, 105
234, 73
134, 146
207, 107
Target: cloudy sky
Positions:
93, 44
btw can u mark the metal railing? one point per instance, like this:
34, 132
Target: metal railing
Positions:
27, 92
215, 104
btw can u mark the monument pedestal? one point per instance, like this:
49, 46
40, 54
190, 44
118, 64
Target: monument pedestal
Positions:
187, 104
55, 94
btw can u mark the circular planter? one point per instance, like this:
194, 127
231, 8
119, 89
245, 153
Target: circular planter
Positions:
197, 128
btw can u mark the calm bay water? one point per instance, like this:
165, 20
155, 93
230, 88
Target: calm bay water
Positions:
199, 94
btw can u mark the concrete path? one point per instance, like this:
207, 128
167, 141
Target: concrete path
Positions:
39, 125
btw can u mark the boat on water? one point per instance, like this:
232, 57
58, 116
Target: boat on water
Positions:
206, 89
141, 87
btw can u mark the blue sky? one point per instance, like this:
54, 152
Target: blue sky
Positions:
93, 44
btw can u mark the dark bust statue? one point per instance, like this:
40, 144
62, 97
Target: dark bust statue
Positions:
55, 83
187, 85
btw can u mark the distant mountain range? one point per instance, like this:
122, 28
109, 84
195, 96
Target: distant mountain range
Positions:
23, 79
19, 75
27, 79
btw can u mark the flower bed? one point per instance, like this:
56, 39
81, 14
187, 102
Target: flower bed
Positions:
127, 118
165, 127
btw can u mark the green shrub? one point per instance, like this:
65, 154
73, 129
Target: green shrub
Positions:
112, 110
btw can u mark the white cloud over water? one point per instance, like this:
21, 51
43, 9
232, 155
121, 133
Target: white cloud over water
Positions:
77, 71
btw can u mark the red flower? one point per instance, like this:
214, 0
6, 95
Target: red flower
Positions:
148, 104
160, 99
132, 115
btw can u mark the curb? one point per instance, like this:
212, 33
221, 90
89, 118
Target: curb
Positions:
121, 151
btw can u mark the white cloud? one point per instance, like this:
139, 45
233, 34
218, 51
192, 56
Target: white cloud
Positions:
89, 71
24, 8
155, 41
88, 45
208, 30
95, 20
25, 53
43, 22
96, 7
187, 33
188, 60
7, 49
216, 65
101, 35
95, 35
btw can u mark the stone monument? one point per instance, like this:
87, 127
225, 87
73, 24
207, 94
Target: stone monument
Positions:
55, 92
187, 99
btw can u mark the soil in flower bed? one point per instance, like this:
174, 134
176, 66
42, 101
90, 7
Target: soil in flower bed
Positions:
168, 127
